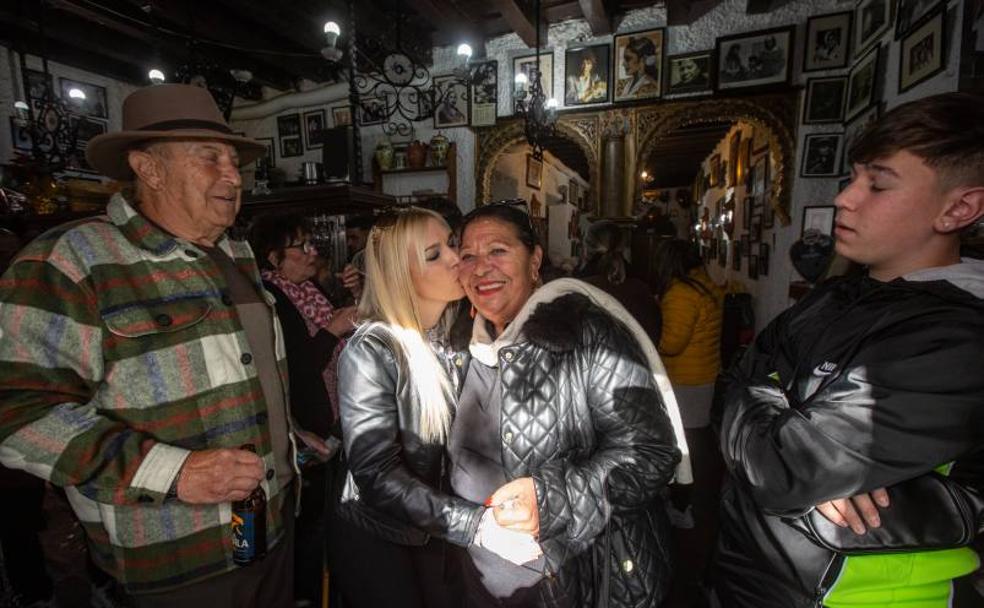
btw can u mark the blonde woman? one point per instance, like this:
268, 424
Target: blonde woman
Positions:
397, 385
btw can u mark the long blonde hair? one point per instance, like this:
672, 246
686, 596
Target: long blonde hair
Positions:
389, 300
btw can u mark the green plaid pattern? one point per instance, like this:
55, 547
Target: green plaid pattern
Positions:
118, 356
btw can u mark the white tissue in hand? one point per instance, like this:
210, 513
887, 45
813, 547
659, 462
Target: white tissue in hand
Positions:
517, 547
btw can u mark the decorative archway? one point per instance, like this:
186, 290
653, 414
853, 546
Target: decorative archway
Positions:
583, 130
775, 114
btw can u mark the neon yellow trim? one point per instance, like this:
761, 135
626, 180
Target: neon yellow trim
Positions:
900, 580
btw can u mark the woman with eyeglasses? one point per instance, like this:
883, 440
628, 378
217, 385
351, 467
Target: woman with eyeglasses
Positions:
564, 426
312, 329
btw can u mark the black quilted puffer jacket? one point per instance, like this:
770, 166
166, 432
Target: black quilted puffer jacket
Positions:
581, 415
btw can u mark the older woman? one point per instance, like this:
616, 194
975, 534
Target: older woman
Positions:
563, 425
312, 330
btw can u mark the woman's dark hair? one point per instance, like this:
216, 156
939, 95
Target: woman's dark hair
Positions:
508, 212
273, 233
645, 50
447, 208
605, 244
675, 259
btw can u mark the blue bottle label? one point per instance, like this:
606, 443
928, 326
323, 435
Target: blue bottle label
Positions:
243, 537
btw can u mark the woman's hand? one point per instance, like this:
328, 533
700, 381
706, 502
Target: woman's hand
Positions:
342, 321
514, 506
352, 280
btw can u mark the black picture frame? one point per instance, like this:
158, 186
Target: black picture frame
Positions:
826, 99
20, 137
93, 105
922, 51
341, 116
821, 155
760, 59
763, 259
527, 64
483, 108
450, 102
827, 44
372, 111
862, 84
910, 12
314, 129
35, 82
289, 125
818, 217
270, 158
642, 51
872, 18
291, 146
595, 86
753, 272
85, 128
690, 73
736, 251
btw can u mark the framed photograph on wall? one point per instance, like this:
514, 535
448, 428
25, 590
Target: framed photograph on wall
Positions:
35, 84
372, 111
639, 64
871, 19
85, 129
923, 51
270, 157
827, 45
861, 89
586, 75
763, 261
734, 151
484, 98
314, 128
534, 172
755, 59
527, 65
94, 103
289, 125
714, 170
451, 102
20, 137
821, 154
825, 99
911, 12
819, 218
690, 73
341, 116
291, 146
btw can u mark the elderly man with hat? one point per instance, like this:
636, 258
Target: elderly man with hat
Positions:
139, 354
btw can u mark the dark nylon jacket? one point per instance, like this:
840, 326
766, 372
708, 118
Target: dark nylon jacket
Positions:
880, 383
580, 414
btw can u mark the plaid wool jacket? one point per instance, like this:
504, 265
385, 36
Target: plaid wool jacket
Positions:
120, 352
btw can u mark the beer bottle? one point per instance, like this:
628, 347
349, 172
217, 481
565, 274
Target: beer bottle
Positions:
249, 524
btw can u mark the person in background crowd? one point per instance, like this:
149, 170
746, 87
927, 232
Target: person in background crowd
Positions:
869, 387
313, 330
690, 344
561, 428
397, 389
605, 267
146, 356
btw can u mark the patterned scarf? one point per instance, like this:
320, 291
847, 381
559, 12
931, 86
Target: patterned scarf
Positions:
314, 307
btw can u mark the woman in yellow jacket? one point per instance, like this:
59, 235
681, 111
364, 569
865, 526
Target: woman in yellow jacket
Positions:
690, 345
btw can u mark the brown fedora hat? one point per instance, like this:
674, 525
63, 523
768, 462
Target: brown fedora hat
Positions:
162, 112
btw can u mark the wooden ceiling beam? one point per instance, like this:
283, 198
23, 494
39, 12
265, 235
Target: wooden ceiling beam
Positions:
597, 17
758, 7
447, 19
521, 23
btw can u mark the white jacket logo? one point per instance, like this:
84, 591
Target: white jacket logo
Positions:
824, 369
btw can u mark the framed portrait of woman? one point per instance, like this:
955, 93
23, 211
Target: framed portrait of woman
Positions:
586, 75
690, 73
827, 43
639, 65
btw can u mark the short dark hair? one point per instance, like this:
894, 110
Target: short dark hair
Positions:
273, 233
362, 221
512, 212
946, 131
447, 208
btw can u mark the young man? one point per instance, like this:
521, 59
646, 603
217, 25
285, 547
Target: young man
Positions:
867, 383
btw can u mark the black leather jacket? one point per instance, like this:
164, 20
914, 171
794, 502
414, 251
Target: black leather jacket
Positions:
879, 383
580, 415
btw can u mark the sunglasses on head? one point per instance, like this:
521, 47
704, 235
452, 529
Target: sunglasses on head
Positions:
518, 204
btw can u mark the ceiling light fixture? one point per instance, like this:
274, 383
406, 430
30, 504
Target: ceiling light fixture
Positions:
539, 113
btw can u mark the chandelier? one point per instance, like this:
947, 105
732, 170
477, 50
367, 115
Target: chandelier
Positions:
539, 112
